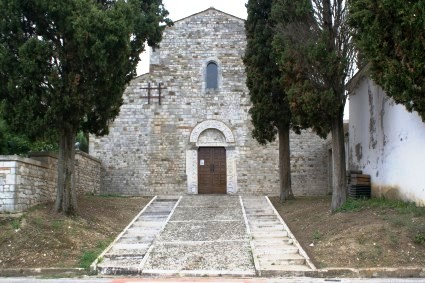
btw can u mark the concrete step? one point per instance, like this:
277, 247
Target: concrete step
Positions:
255, 229
275, 250
128, 252
140, 231
123, 257
260, 223
259, 210
121, 246
285, 259
282, 267
269, 235
271, 241
144, 240
148, 224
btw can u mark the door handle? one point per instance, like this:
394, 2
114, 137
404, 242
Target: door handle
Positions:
213, 167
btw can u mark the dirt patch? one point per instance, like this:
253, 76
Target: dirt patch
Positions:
369, 237
42, 238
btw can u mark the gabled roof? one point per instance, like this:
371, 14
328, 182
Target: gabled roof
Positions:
356, 79
213, 9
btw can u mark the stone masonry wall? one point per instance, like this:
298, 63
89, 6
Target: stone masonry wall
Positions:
87, 169
148, 148
25, 182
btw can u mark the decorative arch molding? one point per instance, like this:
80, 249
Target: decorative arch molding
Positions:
211, 133
211, 124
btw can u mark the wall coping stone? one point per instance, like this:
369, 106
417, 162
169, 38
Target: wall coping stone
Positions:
86, 155
21, 159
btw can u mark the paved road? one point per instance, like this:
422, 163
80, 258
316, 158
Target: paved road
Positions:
212, 280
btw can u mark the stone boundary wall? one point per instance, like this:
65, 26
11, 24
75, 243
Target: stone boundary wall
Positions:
25, 182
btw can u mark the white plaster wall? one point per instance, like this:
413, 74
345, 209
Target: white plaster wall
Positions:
387, 142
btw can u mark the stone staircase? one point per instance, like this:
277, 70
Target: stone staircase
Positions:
127, 254
275, 250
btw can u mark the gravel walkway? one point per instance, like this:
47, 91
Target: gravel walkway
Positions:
205, 235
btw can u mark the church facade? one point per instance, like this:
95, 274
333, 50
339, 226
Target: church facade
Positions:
185, 128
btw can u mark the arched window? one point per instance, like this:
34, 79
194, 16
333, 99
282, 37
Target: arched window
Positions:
212, 75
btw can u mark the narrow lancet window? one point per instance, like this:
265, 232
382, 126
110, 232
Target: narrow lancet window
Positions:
212, 75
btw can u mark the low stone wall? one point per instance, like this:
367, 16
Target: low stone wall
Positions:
25, 182
87, 169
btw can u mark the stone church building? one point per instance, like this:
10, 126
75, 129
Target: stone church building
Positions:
184, 127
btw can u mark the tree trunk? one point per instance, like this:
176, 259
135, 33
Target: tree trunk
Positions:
285, 164
66, 198
339, 186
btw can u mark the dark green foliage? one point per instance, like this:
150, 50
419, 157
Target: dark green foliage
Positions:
65, 64
19, 144
390, 35
87, 258
270, 109
3, 137
402, 207
315, 55
315, 62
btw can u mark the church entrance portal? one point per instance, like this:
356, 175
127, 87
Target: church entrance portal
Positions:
211, 159
212, 170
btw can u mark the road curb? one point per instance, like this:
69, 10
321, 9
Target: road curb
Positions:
384, 272
65, 272
407, 272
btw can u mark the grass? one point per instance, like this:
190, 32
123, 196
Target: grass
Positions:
57, 224
400, 206
316, 235
89, 256
406, 213
16, 223
420, 238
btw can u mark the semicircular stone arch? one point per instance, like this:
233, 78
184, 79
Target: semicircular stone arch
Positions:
211, 133
212, 124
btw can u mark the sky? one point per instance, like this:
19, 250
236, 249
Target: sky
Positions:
182, 8
179, 9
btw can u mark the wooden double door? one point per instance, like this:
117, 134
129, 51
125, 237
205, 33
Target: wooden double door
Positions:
212, 170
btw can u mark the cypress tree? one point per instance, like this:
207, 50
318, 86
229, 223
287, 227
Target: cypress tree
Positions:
64, 66
390, 36
315, 55
270, 112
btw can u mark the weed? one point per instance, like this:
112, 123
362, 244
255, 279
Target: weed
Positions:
420, 238
38, 221
401, 206
16, 223
398, 221
316, 235
57, 224
393, 238
87, 258
373, 254
361, 239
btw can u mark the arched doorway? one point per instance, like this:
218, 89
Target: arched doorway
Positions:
210, 161
212, 170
